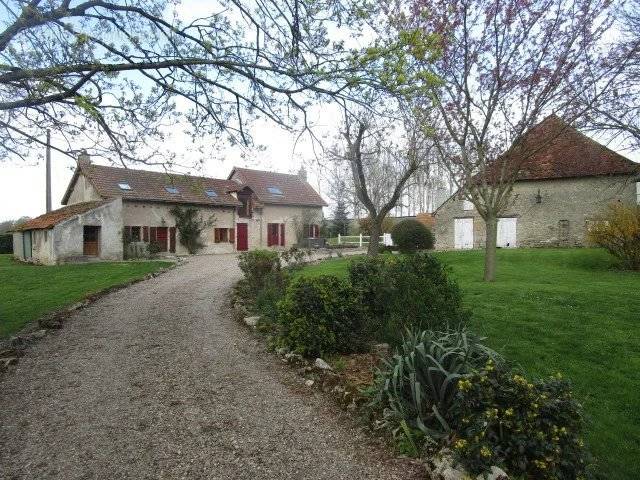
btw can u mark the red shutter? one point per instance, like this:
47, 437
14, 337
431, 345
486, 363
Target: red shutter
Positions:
216, 235
232, 235
269, 234
145, 234
282, 234
316, 232
152, 234
172, 239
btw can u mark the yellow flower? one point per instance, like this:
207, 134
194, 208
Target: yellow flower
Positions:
508, 412
540, 464
464, 385
492, 413
485, 452
460, 444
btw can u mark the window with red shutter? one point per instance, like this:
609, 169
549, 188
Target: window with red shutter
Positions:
232, 235
145, 234
282, 234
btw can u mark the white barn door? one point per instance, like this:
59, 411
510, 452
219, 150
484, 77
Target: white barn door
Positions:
507, 232
463, 233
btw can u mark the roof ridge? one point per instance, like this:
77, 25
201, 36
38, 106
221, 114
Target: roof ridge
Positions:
154, 172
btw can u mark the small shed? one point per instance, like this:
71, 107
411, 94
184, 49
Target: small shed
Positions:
82, 231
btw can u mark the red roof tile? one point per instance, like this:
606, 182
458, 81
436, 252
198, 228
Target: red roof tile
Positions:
554, 149
49, 220
295, 190
151, 186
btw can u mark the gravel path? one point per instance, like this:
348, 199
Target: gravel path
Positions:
157, 381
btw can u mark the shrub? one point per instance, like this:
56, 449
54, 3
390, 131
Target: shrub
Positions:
365, 225
294, 257
153, 248
411, 235
257, 266
190, 227
6, 243
416, 388
618, 231
267, 298
531, 429
320, 316
400, 292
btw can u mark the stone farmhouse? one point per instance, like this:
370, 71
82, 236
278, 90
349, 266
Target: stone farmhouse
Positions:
562, 187
111, 209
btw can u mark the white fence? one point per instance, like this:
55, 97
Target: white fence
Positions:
362, 240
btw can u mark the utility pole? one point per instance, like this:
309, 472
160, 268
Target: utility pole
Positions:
48, 170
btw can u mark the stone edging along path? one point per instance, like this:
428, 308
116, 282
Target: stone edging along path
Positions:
15, 346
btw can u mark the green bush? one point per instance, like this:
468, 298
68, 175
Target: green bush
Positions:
530, 429
321, 316
410, 236
400, 292
257, 267
6, 243
153, 248
416, 388
267, 298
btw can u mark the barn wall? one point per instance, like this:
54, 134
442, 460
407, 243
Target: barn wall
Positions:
559, 220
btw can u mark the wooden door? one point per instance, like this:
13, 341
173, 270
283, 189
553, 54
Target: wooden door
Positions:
27, 246
463, 233
507, 232
161, 237
242, 237
91, 241
172, 239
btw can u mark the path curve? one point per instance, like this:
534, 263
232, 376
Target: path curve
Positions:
157, 381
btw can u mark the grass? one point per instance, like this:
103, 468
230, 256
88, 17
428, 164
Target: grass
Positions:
30, 291
563, 310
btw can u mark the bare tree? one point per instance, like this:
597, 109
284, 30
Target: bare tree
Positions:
117, 75
505, 65
379, 165
616, 110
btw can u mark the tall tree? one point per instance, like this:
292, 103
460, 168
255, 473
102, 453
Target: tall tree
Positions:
117, 75
505, 65
341, 217
380, 162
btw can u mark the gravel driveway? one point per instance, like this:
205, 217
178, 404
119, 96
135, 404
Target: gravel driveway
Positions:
158, 381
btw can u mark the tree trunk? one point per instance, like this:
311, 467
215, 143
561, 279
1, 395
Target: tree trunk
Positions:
374, 238
491, 227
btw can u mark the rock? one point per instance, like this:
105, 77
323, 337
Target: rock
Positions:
6, 362
442, 466
320, 364
382, 350
252, 321
282, 351
293, 358
309, 383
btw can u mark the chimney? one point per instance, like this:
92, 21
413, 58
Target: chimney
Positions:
84, 159
302, 173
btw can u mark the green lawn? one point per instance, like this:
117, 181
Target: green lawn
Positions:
29, 291
568, 311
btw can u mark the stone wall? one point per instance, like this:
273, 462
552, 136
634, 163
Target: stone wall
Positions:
560, 219
68, 235
156, 214
83, 191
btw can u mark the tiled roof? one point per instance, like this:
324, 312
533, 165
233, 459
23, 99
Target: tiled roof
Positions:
295, 190
152, 186
561, 151
49, 220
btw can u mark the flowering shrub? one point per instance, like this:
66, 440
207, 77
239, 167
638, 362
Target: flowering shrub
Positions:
619, 232
531, 429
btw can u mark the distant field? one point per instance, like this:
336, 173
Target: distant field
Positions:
28, 291
568, 311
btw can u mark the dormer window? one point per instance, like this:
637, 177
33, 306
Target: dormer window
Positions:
210, 193
124, 186
173, 190
275, 191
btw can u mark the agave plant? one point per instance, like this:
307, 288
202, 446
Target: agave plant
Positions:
417, 386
